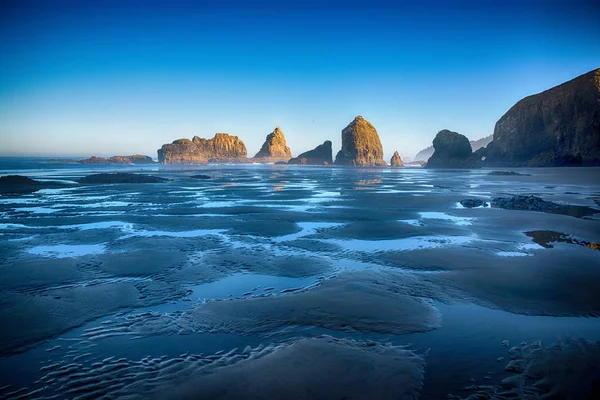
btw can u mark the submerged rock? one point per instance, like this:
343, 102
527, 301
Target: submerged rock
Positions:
18, 184
221, 148
521, 202
134, 159
120, 177
396, 160
200, 176
471, 203
320, 155
361, 146
507, 173
274, 148
558, 127
452, 150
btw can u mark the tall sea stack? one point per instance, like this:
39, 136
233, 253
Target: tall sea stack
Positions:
361, 146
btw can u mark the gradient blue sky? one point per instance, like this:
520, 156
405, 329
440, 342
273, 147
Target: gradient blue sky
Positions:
105, 77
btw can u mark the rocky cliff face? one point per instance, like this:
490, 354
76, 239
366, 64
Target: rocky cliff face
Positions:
396, 160
360, 145
134, 159
558, 127
424, 154
274, 149
221, 148
320, 155
452, 150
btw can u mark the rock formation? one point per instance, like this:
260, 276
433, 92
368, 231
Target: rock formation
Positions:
452, 150
558, 127
426, 153
18, 184
274, 149
134, 159
360, 145
120, 177
320, 155
396, 160
221, 148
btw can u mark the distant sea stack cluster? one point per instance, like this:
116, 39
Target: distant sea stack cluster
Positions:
558, 127
360, 147
134, 159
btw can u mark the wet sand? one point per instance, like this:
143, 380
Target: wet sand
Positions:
262, 258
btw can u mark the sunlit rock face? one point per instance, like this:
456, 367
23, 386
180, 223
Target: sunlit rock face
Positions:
361, 146
452, 150
320, 155
274, 148
558, 127
221, 148
396, 160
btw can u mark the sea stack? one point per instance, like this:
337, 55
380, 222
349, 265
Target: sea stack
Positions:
274, 148
320, 155
134, 159
361, 146
222, 148
558, 127
452, 150
396, 160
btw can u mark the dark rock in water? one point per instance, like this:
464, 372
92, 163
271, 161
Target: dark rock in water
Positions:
281, 163
507, 173
361, 146
201, 176
120, 177
546, 238
274, 148
134, 159
221, 148
520, 202
558, 127
471, 203
18, 184
426, 153
320, 155
452, 150
396, 160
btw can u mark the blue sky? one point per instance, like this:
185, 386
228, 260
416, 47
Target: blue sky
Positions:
89, 78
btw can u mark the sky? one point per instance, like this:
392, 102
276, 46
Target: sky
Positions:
83, 78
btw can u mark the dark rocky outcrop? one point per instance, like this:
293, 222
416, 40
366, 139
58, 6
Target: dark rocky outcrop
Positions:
472, 203
452, 150
424, 154
507, 173
221, 148
274, 148
134, 159
120, 177
360, 145
558, 127
534, 203
18, 184
396, 160
200, 176
320, 155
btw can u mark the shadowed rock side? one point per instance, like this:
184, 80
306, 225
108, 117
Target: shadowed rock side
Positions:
396, 160
221, 148
452, 150
320, 155
274, 148
424, 154
558, 127
361, 146
134, 159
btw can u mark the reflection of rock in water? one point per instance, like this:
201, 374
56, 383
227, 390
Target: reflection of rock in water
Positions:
317, 368
364, 301
563, 370
545, 238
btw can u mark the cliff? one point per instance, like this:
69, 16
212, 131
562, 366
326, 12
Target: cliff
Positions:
558, 127
360, 145
274, 148
320, 155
